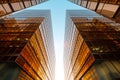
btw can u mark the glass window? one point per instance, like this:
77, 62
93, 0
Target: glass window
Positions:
27, 3
92, 5
16, 6
6, 6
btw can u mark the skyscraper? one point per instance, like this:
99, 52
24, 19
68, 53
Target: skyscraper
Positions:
9, 6
26, 46
108, 8
92, 47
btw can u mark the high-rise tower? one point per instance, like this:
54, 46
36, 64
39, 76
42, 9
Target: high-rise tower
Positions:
108, 8
92, 47
9, 6
26, 46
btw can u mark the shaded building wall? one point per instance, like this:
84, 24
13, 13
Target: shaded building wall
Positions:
107, 70
11, 71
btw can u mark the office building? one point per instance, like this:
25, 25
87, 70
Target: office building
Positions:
26, 46
108, 8
9, 6
92, 47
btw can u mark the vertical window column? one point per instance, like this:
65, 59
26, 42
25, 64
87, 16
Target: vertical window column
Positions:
23, 3
9, 3
97, 5
3, 10
31, 2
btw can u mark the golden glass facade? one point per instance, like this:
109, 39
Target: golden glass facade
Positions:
22, 43
9, 6
92, 53
108, 8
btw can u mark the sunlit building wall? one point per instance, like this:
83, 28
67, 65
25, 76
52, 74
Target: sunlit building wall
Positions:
92, 47
9, 6
108, 8
27, 47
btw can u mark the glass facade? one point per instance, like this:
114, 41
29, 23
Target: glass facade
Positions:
108, 8
22, 42
9, 6
95, 48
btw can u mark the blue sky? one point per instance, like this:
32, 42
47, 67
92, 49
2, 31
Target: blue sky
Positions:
58, 11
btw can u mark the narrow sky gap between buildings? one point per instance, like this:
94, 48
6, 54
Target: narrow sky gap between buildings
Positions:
58, 14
